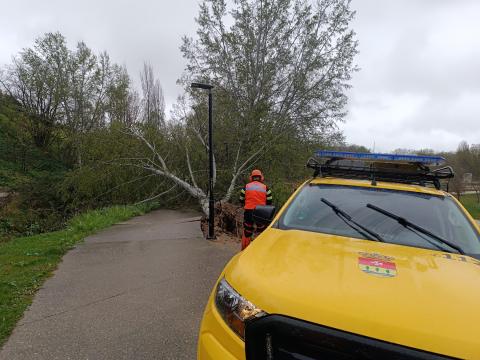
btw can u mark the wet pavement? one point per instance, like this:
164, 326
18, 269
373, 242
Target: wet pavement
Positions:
134, 291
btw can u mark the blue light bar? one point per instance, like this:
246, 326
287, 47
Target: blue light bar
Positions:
426, 160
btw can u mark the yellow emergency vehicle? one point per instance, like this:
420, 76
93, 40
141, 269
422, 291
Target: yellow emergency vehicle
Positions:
369, 259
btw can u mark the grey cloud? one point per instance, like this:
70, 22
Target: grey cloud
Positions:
419, 84
130, 31
459, 114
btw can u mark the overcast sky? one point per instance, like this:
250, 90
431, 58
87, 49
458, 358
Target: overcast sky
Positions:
418, 87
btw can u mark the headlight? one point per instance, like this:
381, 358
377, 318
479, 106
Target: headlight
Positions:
234, 309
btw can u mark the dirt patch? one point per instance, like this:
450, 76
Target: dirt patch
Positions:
228, 222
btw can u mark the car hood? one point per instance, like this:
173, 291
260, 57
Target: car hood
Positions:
427, 299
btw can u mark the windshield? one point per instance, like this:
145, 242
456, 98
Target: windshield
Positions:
438, 214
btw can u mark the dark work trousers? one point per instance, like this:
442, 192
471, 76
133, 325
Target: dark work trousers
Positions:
249, 224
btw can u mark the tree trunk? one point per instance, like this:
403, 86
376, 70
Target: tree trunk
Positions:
204, 205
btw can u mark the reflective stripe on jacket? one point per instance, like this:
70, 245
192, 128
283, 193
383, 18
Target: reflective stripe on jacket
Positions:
255, 194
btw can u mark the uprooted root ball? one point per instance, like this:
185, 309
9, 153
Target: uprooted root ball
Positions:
228, 220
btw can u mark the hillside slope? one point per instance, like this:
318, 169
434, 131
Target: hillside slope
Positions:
28, 179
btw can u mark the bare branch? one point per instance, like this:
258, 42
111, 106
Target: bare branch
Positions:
190, 168
200, 137
157, 196
236, 158
194, 191
238, 172
138, 135
122, 184
205, 144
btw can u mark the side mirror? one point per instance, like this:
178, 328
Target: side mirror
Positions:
263, 214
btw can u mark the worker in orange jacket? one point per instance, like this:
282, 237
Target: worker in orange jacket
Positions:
253, 194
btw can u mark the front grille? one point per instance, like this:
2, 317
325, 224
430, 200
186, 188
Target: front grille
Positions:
276, 337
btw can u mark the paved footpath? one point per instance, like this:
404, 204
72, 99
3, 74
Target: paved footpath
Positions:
134, 291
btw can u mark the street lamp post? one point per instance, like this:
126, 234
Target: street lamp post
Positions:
211, 202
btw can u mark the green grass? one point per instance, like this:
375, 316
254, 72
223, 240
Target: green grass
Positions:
26, 262
470, 202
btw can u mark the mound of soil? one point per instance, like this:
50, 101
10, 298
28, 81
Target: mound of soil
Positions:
228, 222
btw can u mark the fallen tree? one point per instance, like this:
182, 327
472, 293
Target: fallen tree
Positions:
280, 72
156, 164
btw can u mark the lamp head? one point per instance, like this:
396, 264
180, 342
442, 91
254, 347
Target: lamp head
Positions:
202, 86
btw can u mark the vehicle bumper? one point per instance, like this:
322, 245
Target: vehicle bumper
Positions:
216, 340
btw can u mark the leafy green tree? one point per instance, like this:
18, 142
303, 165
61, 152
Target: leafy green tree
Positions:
280, 71
97, 94
38, 80
283, 64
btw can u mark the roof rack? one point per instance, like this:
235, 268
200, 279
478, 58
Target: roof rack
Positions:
407, 169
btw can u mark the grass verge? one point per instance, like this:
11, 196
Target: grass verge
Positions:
470, 202
26, 262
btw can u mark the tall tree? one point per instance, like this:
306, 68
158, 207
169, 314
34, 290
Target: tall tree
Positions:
153, 104
121, 98
69, 92
38, 80
97, 93
280, 70
282, 66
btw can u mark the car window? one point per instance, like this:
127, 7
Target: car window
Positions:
438, 214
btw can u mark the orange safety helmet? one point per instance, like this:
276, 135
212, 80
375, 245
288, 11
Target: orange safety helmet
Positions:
257, 172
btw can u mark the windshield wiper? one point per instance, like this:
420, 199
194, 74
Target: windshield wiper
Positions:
349, 221
406, 223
